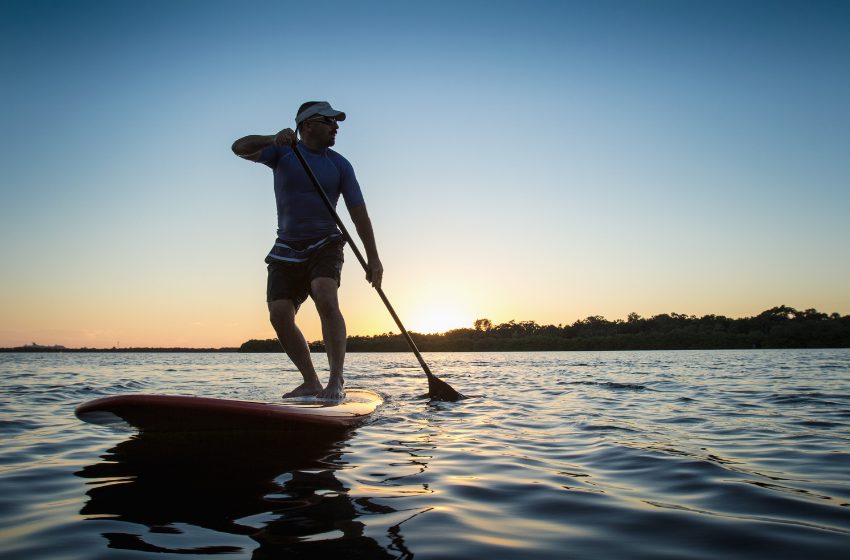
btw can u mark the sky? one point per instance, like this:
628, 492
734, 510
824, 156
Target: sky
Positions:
532, 160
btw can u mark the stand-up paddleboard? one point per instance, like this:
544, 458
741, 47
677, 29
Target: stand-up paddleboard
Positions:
169, 413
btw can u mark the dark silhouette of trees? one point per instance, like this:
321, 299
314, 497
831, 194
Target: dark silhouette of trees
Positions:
483, 324
268, 345
114, 350
779, 327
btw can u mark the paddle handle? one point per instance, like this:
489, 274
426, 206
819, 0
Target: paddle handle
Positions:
360, 258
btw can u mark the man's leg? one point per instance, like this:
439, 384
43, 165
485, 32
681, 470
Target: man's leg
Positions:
282, 315
324, 292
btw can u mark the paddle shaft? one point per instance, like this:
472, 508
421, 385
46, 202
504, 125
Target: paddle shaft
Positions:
360, 258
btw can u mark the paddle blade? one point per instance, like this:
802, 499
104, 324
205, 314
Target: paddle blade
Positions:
441, 391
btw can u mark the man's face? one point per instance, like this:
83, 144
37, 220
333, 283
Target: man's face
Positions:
323, 131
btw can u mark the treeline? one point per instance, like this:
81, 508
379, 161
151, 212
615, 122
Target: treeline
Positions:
779, 327
115, 350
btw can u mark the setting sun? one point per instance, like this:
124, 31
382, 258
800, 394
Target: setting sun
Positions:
440, 318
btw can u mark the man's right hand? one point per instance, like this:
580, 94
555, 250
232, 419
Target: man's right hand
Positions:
285, 137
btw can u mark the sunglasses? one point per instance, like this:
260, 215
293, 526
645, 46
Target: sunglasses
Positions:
321, 119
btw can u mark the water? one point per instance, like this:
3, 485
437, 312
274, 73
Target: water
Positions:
701, 454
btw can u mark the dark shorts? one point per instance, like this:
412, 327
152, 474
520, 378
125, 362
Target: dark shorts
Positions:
291, 280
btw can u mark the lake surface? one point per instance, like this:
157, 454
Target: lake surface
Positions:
688, 454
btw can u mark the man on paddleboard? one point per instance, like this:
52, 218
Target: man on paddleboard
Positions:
307, 256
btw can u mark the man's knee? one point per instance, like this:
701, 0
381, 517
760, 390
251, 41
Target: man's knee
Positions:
324, 292
281, 313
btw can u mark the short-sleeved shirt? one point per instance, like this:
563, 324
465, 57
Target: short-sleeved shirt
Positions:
301, 214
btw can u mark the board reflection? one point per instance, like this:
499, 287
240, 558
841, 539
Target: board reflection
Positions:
278, 489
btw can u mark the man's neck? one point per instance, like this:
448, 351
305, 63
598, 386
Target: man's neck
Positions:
313, 144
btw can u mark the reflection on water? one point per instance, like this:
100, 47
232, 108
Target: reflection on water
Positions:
280, 490
695, 455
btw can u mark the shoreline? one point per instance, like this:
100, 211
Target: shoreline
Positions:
30, 350
320, 350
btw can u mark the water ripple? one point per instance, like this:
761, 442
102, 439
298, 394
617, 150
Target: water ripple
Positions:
699, 454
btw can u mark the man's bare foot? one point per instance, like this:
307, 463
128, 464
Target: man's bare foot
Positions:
304, 390
334, 390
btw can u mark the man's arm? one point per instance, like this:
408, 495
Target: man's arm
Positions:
250, 147
361, 220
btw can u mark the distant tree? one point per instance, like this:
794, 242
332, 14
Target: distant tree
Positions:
268, 345
780, 313
529, 328
810, 315
483, 324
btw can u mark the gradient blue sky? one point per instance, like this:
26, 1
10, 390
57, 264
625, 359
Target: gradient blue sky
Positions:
520, 160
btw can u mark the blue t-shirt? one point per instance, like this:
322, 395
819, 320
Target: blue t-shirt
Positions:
301, 214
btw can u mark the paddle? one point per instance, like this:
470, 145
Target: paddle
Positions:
437, 388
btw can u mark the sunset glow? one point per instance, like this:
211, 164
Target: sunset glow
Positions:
592, 160
440, 318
